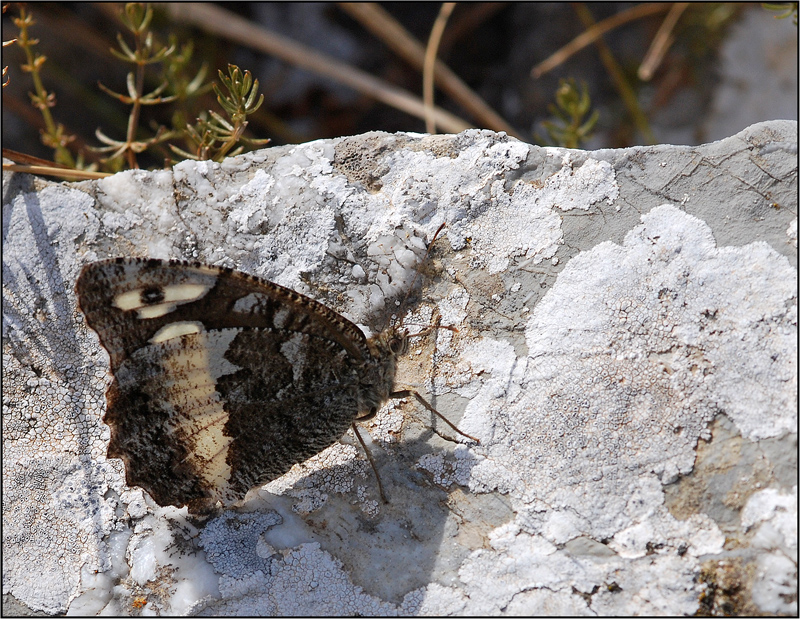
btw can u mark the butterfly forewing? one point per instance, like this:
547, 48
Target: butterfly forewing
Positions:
222, 381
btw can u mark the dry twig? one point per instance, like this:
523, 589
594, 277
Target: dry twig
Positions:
227, 24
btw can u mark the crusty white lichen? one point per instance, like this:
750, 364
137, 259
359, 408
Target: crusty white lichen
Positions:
517, 562
630, 355
300, 581
771, 516
55, 476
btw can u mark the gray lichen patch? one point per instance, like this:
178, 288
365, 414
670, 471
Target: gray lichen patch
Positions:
59, 527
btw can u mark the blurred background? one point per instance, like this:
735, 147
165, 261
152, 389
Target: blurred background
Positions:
582, 75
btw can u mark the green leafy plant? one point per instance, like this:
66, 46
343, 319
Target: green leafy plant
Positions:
183, 85
213, 138
216, 137
53, 135
570, 126
213, 135
6, 79
136, 17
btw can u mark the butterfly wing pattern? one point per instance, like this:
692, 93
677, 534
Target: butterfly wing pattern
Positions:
221, 380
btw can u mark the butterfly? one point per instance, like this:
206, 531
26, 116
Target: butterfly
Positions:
222, 381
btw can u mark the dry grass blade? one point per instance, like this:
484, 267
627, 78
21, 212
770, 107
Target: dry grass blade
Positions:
66, 174
594, 33
26, 159
35, 165
380, 23
661, 42
430, 63
218, 21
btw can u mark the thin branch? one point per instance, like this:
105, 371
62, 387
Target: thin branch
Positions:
469, 18
428, 69
593, 33
227, 24
661, 42
380, 23
611, 65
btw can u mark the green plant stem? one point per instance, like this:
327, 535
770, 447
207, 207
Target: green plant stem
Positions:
133, 119
42, 100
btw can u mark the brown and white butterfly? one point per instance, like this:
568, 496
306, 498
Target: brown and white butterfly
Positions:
222, 381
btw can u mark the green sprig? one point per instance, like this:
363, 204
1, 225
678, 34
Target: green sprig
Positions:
216, 138
570, 127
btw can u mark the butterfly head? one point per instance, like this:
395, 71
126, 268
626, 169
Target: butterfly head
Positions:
389, 344
377, 376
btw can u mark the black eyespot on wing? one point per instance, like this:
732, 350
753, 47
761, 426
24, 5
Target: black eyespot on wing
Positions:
151, 296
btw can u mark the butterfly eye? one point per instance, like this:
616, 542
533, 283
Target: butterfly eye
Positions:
398, 345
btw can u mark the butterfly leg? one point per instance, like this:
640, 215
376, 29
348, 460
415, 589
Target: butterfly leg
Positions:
372, 463
405, 393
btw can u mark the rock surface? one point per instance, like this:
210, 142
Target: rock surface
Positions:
626, 353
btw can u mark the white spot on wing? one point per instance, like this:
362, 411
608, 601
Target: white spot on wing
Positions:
281, 318
176, 329
155, 311
128, 300
294, 350
246, 304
